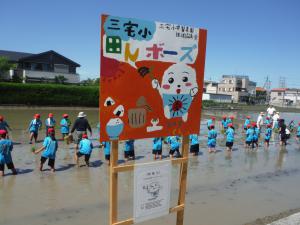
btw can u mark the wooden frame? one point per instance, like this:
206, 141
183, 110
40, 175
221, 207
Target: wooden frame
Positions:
113, 184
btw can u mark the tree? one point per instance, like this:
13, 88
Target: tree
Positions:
60, 79
5, 66
16, 79
90, 82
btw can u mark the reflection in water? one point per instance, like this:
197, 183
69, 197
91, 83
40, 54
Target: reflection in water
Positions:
228, 157
6, 192
281, 157
194, 162
250, 159
266, 156
211, 164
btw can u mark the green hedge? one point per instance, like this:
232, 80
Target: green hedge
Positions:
49, 94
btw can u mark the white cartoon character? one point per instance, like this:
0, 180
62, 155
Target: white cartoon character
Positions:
153, 190
177, 89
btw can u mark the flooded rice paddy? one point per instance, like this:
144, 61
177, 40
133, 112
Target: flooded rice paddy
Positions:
223, 188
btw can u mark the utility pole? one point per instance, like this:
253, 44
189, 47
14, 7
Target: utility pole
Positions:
282, 84
267, 87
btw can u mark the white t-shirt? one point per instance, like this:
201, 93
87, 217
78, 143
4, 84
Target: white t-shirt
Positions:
260, 121
276, 117
271, 110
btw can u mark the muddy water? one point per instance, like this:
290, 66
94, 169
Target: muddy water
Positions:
222, 189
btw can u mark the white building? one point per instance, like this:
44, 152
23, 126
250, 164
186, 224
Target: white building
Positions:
217, 97
239, 87
210, 87
285, 97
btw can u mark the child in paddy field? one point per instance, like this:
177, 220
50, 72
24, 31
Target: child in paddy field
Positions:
49, 149
173, 141
194, 144
4, 125
210, 122
49, 122
106, 145
267, 121
34, 127
255, 135
224, 123
157, 148
212, 139
268, 135
247, 122
6, 146
129, 150
282, 132
229, 137
298, 132
249, 136
292, 126
230, 120
85, 149
65, 124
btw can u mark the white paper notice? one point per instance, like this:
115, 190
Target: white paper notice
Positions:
152, 187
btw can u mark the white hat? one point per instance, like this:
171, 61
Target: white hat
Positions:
262, 113
81, 114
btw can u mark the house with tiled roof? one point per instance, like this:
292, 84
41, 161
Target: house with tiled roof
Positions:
41, 67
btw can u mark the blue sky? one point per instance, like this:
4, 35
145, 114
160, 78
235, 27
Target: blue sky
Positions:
255, 38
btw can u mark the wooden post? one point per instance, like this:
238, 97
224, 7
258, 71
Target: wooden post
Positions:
183, 179
113, 184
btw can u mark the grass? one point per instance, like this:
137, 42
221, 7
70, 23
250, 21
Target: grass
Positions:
48, 95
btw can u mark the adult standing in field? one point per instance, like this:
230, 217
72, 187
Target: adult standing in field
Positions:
275, 120
80, 126
271, 110
260, 120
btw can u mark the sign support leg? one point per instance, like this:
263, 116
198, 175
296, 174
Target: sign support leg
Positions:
113, 184
183, 179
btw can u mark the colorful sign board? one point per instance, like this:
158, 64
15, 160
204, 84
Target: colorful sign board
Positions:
151, 78
152, 188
